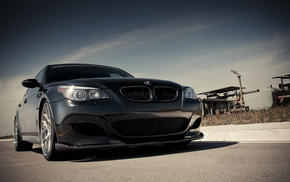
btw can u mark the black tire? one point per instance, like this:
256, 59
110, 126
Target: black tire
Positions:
20, 145
48, 136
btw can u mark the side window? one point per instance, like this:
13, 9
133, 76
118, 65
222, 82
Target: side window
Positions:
39, 76
115, 75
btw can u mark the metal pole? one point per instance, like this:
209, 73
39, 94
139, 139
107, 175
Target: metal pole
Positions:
282, 85
241, 90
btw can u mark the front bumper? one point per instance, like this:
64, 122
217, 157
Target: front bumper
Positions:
92, 125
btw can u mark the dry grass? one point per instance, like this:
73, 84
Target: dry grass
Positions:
278, 114
7, 137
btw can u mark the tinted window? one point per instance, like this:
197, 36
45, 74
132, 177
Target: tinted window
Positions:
39, 76
68, 72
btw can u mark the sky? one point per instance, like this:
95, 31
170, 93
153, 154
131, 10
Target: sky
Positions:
194, 43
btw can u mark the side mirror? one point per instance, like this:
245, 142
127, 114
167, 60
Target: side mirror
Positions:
30, 83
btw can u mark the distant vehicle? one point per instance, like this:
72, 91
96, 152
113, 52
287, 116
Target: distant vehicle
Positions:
81, 106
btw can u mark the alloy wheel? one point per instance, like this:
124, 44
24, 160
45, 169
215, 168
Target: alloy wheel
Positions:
16, 134
46, 130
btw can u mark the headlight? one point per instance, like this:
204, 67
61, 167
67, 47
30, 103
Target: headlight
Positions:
77, 93
189, 93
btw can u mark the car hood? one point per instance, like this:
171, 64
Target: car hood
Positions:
119, 82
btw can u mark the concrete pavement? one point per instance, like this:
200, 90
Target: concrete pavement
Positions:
261, 132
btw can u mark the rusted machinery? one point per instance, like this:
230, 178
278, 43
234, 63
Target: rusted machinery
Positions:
277, 96
225, 100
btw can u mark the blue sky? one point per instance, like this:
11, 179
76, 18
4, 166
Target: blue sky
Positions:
195, 43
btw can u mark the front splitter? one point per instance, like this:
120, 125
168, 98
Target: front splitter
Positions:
118, 144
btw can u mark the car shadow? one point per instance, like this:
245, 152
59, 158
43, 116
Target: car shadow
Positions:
137, 152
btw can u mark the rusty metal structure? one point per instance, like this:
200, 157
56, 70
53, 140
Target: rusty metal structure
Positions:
225, 100
284, 87
273, 97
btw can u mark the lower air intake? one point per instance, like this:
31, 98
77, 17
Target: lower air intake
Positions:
151, 127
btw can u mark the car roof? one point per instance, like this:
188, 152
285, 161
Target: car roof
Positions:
79, 65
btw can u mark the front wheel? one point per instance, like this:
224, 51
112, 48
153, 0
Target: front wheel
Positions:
48, 136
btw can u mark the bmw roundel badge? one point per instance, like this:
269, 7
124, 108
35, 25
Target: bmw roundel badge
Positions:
147, 83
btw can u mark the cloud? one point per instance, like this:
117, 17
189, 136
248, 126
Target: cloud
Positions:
257, 63
11, 94
144, 36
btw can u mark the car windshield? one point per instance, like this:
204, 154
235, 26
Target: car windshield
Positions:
68, 72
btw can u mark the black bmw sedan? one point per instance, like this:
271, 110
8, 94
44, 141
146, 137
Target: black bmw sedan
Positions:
82, 106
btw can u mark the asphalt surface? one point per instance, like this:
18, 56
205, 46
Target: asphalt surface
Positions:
211, 159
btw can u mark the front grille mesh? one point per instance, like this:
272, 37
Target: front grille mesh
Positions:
165, 93
144, 94
150, 127
140, 94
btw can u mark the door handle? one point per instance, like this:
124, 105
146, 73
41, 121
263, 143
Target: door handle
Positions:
25, 101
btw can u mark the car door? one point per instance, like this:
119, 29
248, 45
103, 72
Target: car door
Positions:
29, 108
21, 113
